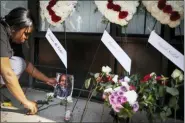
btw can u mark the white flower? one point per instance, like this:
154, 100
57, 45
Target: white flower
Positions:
49, 95
106, 69
181, 77
115, 79
164, 18
69, 99
131, 96
62, 9
108, 90
96, 75
117, 88
126, 79
176, 73
174, 24
113, 16
125, 84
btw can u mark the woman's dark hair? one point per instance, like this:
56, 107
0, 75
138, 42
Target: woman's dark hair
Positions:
17, 18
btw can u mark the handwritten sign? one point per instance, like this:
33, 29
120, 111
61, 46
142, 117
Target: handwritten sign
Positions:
117, 51
167, 50
59, 49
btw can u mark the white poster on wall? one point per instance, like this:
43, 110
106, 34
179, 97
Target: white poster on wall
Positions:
59, 49
167, 50
117, 51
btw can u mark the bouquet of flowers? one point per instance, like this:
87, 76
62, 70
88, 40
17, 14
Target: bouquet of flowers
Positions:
117, 92
152, 91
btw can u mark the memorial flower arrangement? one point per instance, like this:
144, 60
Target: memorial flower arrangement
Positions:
152, 91
119, 12
56, 11
166, 12
128, 94
117, 92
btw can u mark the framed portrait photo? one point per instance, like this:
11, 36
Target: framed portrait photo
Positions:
64, 86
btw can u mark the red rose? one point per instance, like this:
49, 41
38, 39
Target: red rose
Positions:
174, 16
167, 9
55, 18
146, 78
109, 78
161, 4
123, 14
110, 5
132, 87
158, 78
48, 7
51, 12
110, 1
52, 3
117, 8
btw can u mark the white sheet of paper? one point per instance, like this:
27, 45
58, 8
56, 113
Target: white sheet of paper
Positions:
167, 50
59, 49
117, 51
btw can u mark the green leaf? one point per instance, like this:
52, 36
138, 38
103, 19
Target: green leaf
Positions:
172, 91
168, 112
87, 83
172, 102
94, 93
163, 115
124, 113
161, 91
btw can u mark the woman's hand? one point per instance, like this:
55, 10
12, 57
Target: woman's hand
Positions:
31, 106
51, 81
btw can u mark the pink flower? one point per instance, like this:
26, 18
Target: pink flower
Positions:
123, 99
158, 78
112, 99
135, 106
117, 107
132, 87
123, 88
104, 96
120, 93
119, 100
115, 93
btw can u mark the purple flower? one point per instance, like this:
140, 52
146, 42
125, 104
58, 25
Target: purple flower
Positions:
123, 88
112, 100
115, 93
121, 80
119, 100
120, 93
123, 99
135, 106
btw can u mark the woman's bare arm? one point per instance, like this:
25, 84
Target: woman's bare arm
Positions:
11, 80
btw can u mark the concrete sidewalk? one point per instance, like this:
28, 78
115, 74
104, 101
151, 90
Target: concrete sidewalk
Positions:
56, 113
